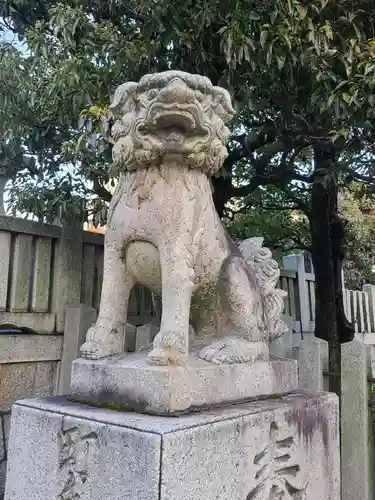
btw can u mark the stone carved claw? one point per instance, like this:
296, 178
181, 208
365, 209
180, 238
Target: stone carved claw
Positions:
163, 231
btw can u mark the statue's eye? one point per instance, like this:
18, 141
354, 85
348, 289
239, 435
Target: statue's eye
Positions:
151, 94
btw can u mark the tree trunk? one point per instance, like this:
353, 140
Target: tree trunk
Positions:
327, 253
222, 193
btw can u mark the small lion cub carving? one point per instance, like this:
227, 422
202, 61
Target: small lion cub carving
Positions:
164, 232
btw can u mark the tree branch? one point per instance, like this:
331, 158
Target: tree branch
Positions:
296, 246
279, 208
309, 179
300, 203
359, 177
100, 190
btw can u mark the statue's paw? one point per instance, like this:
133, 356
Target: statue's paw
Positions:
209, 352
101, 342
167, 339
96, 350
234, 351
164, 356
158, 357
169, 349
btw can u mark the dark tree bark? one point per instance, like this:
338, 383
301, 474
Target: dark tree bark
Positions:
222, 193
327, 252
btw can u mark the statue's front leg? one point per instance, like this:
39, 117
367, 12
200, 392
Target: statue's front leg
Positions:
107, 336
171, 344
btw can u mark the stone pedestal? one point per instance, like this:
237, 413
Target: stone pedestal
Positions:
127, 380
285, 448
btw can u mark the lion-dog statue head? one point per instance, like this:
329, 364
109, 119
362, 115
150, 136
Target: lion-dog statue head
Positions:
168, 117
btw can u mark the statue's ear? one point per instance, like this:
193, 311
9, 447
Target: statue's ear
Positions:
123, 100
222, 104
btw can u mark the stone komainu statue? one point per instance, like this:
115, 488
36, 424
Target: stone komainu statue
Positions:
164, 233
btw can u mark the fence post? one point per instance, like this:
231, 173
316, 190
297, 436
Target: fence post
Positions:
312, 361
356, 423
78, 320
68, 269
370, 290
297, 263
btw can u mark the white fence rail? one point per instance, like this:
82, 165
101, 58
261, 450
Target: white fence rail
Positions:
359, 308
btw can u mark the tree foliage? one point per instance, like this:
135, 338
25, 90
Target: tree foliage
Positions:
286, 230
357, 208
301, 74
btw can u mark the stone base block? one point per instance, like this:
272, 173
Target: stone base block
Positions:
130, 382
285, 448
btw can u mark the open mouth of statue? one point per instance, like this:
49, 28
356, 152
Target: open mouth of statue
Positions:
171, 134
171, 126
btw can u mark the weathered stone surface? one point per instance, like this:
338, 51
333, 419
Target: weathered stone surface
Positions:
55, 455
130, 380
16, 382
45, 380
130, 337
38, 323
42, 275
21, 262
286, 448
78, 320
357, 443
2, 441
312, 361
68, 270
22, 348
4, 429
33, 443
170, 138
4, 436
22, 380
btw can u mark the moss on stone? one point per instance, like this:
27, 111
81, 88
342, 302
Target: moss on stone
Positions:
275, 396
108, 406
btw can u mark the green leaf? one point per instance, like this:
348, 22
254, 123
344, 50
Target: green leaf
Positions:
287, 41
263, 38
269, 54
369, 68
341, 85
254, 16
331, 100
280, 62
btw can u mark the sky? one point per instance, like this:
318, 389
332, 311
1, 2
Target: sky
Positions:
7, 36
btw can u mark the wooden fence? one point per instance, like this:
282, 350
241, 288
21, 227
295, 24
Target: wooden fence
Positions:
44, 269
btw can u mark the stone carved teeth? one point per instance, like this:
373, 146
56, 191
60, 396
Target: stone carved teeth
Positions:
182, 120
172, 135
